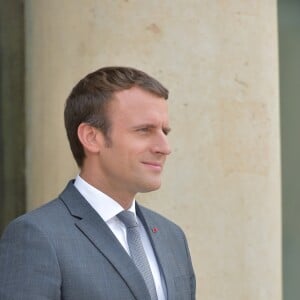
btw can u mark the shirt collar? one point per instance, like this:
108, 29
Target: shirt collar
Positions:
104, 205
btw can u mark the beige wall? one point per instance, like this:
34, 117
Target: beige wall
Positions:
219, 60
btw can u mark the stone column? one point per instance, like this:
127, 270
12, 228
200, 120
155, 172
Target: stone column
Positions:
219, 60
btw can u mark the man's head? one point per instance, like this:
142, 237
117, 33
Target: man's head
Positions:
90, 98
117, 124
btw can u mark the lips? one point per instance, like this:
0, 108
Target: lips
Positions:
154, 165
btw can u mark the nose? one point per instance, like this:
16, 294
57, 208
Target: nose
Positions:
162, 145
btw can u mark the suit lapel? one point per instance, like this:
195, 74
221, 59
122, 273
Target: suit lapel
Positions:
96, 230
158, 239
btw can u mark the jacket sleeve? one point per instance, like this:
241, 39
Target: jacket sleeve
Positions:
29, 268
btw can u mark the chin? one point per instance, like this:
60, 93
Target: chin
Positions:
150, 187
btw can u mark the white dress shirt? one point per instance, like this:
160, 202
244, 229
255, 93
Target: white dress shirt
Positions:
108, 209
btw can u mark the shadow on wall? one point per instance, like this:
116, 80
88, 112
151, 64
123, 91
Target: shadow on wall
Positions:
289, 54
12, 116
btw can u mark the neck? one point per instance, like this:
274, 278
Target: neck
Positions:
124, 198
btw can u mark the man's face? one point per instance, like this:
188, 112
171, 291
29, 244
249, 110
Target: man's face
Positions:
133, 160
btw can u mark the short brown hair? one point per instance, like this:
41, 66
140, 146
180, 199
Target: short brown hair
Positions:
88, 100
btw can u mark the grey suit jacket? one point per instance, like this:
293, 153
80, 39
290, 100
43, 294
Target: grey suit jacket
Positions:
64, 250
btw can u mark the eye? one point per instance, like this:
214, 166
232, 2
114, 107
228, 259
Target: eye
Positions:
143, 129
166, 131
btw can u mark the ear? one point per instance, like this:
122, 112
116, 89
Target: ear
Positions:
89, 138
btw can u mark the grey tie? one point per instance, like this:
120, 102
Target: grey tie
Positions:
137, 251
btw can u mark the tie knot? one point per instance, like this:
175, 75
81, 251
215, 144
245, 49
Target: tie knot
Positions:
128, 218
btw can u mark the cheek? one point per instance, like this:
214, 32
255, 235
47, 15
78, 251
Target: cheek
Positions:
128, 149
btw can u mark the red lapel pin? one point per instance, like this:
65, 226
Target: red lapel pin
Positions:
154, 229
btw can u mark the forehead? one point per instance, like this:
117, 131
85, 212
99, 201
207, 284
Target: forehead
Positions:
137, 104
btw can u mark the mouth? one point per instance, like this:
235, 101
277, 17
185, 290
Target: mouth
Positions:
154, 165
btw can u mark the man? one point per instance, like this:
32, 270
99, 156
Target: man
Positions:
82, 244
